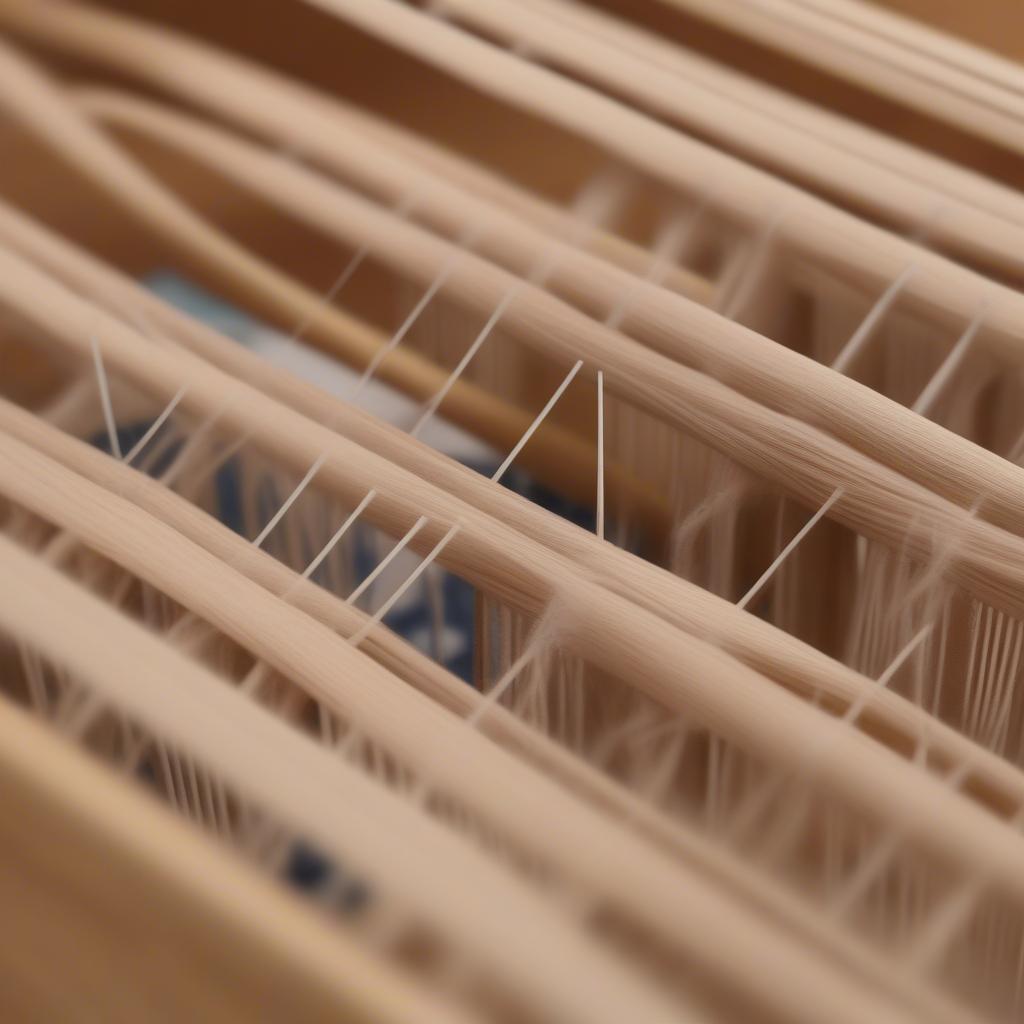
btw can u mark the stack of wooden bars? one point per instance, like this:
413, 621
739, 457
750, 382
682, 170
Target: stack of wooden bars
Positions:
510, 510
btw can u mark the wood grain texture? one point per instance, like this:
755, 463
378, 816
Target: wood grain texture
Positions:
113, 910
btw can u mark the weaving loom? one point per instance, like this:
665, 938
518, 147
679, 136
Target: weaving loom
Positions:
511, 511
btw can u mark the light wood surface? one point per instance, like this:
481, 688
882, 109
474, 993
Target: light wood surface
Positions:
116, 911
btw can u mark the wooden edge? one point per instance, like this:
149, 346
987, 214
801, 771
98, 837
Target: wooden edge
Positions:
114, 910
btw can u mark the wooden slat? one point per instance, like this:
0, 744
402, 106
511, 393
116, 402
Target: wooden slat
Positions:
113, 910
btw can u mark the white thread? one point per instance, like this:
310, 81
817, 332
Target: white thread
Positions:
387, 560
154, 427
931, 391
870, 322
532, 428
339, 533
851, 348
752, 271
884, 850
789, 549
591, 206
360, 634
857, 706
758, 800
939, 930
669, 242
395, 340
290, 500
492, 322
358, 258
108, 409
495, 693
